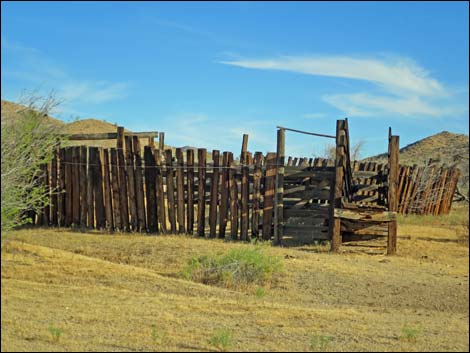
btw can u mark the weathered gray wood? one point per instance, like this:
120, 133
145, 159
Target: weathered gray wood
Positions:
190, 191
180, 191
139, 185
116, 191
170, 190
279, 197
214, 194
392, 192
160, 195
108, 204
201, 204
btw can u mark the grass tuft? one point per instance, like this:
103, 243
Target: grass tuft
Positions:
320, 343
221, 339
239, 268
411, 333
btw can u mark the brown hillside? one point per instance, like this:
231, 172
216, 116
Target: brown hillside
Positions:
10, 112
445, 148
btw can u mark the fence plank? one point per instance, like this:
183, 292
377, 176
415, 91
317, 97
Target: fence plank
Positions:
108, 203
214, 194
190, 191
115, 188
83, 187
244, 198
68, 187
76, 185
256, 206
150, 189
233, 198
130, 177
139, 185
61, 191
123, 194
224, 196
170, 190
160, 195
53, 189
90, 190
99, 200
201, 204
180, 191
392, 193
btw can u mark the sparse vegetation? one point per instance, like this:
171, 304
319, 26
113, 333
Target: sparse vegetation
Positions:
221, 339
55, 332
320, 343
27, 143
411, 333
239, 268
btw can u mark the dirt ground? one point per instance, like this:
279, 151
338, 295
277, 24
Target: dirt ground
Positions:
74, 291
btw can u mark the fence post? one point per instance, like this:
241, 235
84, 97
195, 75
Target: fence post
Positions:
279, 200
337, 191
392, 192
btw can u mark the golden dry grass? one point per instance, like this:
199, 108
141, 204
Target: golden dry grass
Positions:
124, 293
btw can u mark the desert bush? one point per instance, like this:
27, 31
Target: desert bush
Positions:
27, 142
411, 333
320, 343
239, 268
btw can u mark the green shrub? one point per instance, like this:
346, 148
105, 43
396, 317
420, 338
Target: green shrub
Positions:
239, 268
55, 332
221, 339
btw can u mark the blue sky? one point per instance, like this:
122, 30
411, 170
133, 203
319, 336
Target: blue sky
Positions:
205, 73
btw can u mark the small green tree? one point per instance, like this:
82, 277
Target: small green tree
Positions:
28, 140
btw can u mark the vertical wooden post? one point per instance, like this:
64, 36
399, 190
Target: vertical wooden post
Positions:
180, 190
83, 187
159, 190
76, 185
150, 192
257, 174
90, 189
233, 198
53, 188
393, 164
120, 138
139, 185
190, 191
123, 194
337, 190
224, 194
161, 142
130, 177
244, 148
108, 203
68, 187
99, 199
170, 190
201, 194
61, 196
151, 142
244, 197
279, 203
214, 194
116, 191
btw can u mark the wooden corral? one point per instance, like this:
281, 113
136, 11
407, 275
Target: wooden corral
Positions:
157, 190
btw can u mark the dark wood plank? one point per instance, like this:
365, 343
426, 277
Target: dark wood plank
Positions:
90, 189
108, 197
190, 191
233, 198
256, 203
214, 194
130, 177
160, 195
139, 185
201, 204
76, 185
61, 190
224, 197
123, 193
393, 165
68, 187
83, 187
180, 191
244, 198
53, 189
116, 191
98, 186
170, 190
150, 189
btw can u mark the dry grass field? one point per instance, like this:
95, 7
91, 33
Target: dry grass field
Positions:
73, 291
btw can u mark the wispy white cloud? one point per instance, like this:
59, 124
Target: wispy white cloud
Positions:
315, 115
399, 85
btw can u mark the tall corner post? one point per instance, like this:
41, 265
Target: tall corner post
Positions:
337, 190
279, 193
393, 162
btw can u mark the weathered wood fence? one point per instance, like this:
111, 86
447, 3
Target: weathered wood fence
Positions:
422, 190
